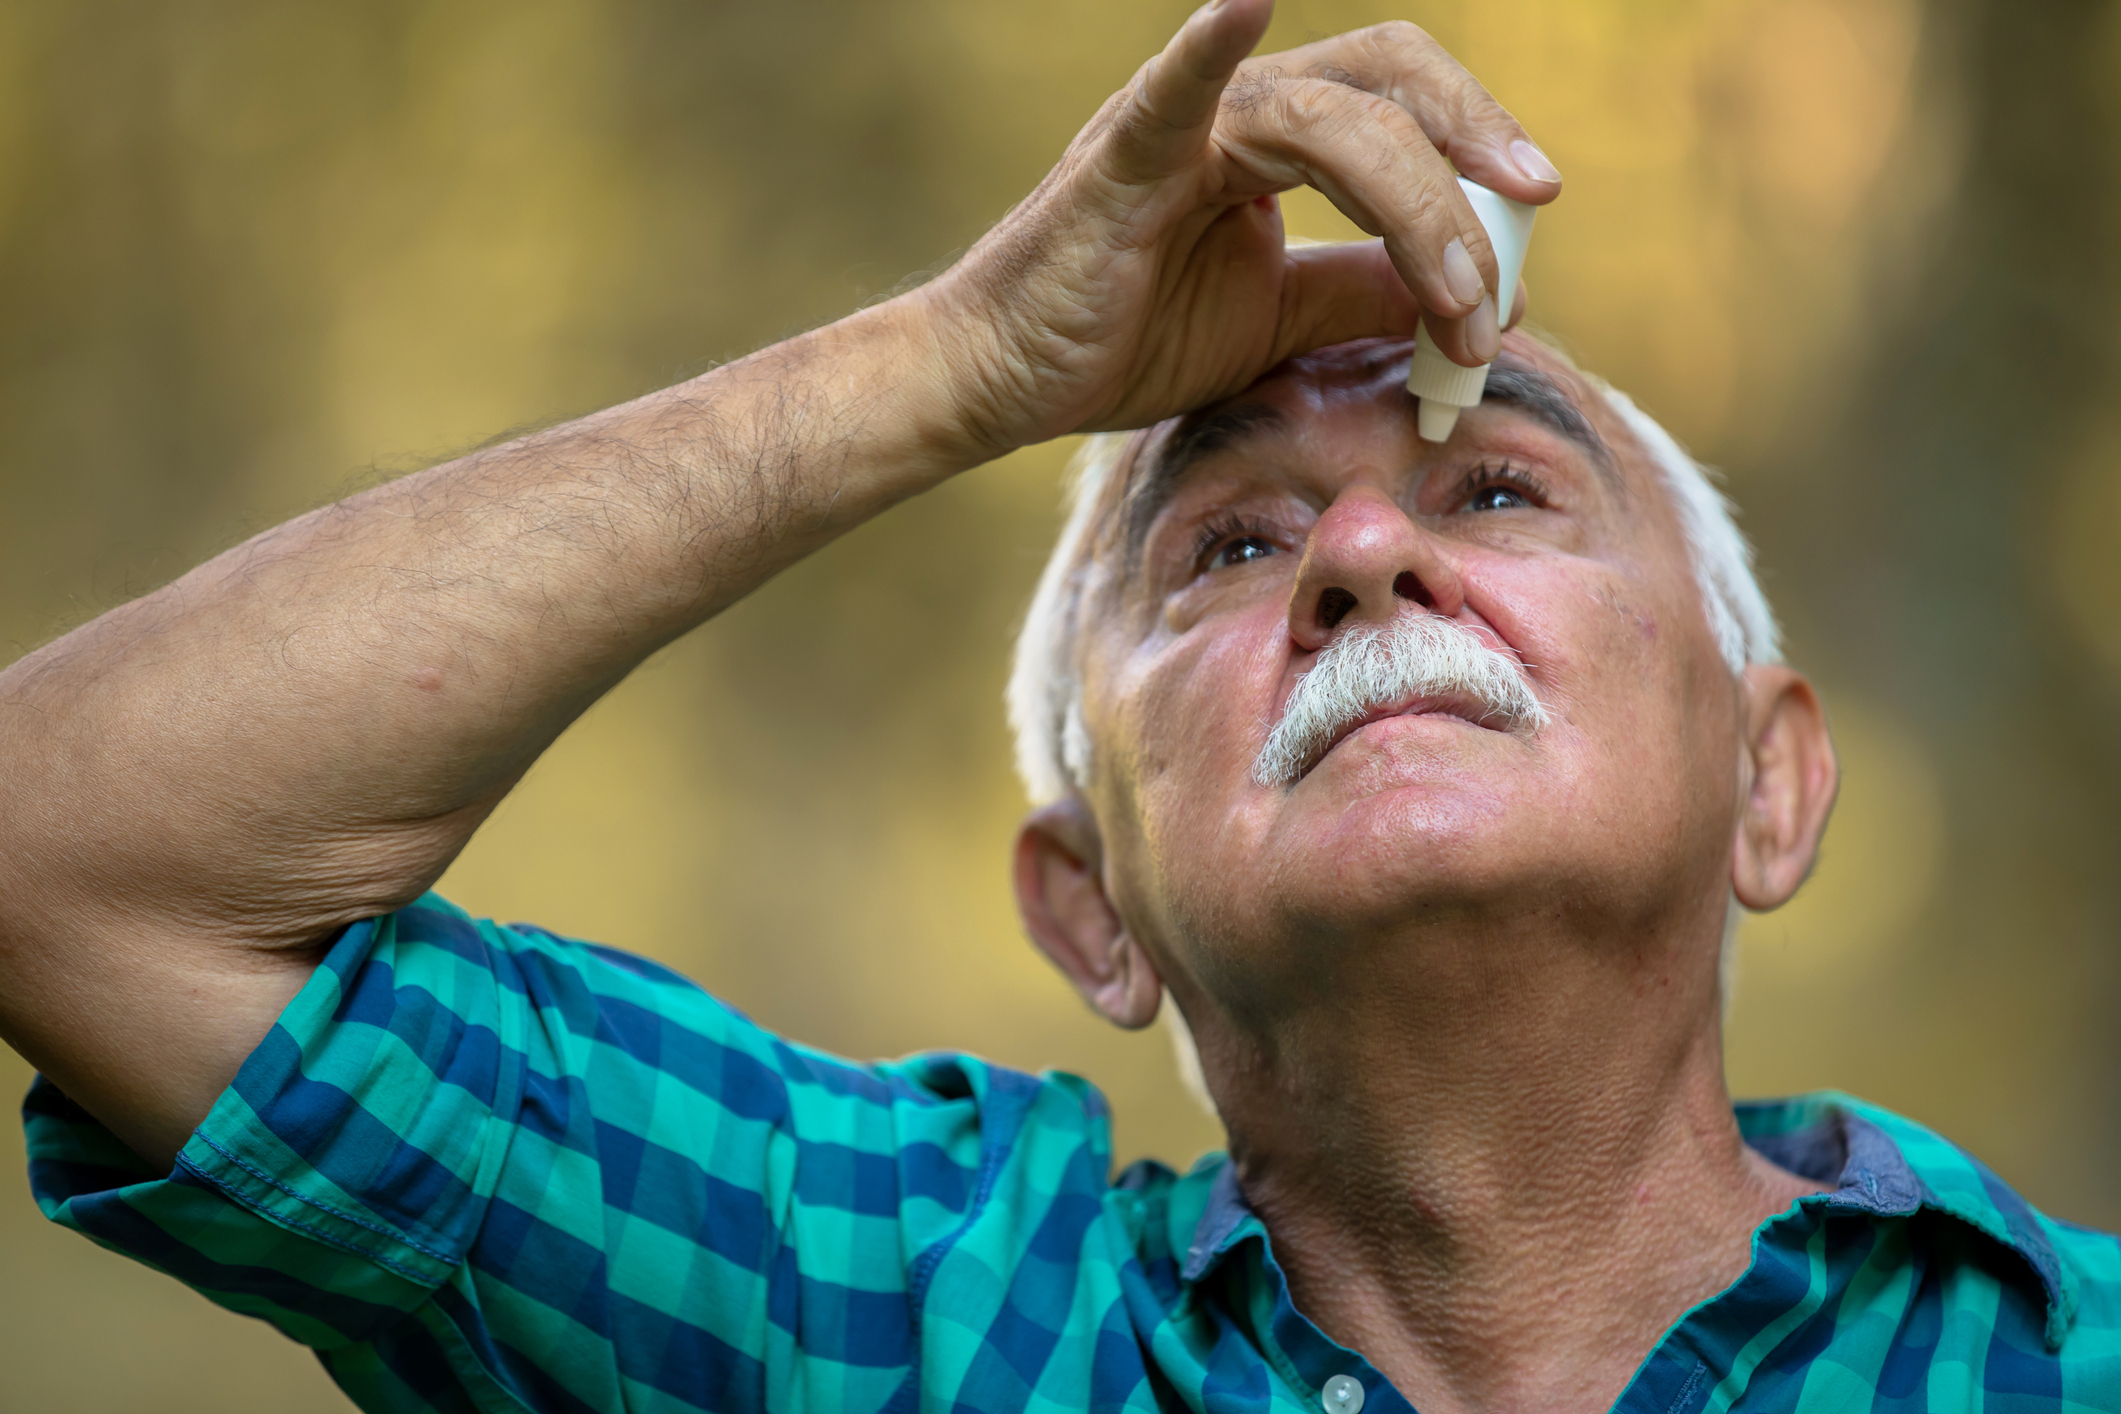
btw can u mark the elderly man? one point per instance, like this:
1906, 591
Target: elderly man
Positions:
1424, 779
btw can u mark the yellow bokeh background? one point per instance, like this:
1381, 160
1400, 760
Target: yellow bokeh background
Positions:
252, 255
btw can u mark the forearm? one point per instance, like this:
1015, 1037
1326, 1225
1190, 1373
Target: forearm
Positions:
307, 728
304, 731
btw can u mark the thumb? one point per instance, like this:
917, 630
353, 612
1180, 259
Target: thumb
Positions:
1334, 293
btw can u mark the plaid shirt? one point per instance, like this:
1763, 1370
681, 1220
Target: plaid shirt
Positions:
485, 1168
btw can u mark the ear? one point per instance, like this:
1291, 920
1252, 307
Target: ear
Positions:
1789, 776
1060, 890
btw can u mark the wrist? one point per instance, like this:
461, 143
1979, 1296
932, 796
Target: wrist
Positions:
841, 422
940, 354
908, 363
975, 385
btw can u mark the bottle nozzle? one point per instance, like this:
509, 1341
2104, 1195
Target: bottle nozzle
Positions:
1437, 419
1444, 387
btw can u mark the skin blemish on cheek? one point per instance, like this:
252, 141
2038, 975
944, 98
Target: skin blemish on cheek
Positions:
1645, 623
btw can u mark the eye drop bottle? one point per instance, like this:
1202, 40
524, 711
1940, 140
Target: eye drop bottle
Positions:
1445, 387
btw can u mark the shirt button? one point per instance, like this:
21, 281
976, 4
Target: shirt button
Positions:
1343, 1394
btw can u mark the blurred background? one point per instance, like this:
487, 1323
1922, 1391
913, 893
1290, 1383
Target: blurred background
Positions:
254, 254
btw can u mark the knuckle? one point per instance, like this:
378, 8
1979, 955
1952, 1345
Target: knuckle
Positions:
1305, 106
1129, 115
1327, 106
1141, 114
1106, 119
1399, 38
1427, 210
1130, 124
1485, 112
1334, 73
1250, 90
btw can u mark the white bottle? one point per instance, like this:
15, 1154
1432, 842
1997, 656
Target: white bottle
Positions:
1445, 387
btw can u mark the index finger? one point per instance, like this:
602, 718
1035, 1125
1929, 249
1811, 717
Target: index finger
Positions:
1162, 118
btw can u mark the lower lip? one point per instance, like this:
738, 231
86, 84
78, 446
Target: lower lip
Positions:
1409, 718
1436, 715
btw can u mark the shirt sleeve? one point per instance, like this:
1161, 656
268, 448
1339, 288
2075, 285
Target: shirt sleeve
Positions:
484, 1167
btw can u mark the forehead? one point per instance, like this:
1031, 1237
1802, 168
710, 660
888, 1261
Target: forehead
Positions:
1359, 386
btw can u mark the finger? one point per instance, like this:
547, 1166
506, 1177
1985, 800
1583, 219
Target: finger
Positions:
1162, 119
1334, 293
1471, 341
1370, 159
1403, 63
1518, 304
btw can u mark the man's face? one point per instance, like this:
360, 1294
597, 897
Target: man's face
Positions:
1252, 534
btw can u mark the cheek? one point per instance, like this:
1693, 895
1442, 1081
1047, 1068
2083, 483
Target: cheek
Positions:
1195, 710
1596, 638
1190, 715
1636, 678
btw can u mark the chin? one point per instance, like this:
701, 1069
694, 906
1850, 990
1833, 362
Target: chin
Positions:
1397, 846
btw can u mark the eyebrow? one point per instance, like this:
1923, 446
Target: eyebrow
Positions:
1194, 438
1541, 398
1519, 386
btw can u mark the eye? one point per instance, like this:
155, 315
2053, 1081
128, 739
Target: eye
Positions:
1229, 541
1489, 487
1241, 551
1497, 498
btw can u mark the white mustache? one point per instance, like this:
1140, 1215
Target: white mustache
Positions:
1372, 666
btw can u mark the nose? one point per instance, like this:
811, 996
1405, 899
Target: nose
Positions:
1365, 561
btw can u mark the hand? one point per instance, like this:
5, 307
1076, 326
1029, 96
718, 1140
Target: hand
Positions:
1146, 275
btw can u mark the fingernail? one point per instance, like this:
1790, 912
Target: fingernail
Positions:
1532, 162
1482, 335
1460, 275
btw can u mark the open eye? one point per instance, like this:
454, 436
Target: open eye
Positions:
1492, 487
1228, 541
1243, 549
1497, 498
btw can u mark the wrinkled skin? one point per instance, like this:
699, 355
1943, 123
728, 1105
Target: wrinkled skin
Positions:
1455, 990
1619, 811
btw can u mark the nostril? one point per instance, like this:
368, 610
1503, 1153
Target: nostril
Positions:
1409, 586
1333, 606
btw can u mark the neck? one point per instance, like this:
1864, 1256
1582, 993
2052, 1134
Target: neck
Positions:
1503, 1169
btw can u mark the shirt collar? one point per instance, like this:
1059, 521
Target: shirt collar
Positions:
1225, 1222
1890, 1166
1878, 1162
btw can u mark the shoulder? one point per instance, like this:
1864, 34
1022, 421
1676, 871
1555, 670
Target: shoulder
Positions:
2075, 1292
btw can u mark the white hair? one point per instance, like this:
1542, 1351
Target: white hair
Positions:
1738, 611
1045, 683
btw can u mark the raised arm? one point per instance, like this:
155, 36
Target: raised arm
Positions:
199, 788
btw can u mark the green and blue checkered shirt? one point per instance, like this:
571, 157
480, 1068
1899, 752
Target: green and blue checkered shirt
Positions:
485, 1168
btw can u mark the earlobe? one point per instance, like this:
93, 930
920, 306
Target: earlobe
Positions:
1791, 783
1060, 892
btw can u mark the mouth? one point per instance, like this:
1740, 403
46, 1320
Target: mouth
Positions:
1456, 707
